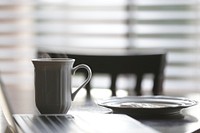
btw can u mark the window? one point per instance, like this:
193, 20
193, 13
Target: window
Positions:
172, 25
16, 46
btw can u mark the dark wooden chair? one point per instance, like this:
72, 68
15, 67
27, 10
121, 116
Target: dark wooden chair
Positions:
130, 63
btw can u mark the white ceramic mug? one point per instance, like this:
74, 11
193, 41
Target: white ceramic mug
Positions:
53, 90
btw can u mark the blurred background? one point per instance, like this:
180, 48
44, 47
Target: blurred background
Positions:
101, 25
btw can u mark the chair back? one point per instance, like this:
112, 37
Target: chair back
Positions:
130, 63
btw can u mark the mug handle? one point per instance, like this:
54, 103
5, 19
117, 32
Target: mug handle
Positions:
86, 80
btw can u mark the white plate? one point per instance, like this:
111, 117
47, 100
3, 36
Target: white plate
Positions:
147, 106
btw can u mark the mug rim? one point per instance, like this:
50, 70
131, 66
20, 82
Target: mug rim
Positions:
52, 59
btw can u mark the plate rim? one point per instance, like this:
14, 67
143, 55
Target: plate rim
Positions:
190, 102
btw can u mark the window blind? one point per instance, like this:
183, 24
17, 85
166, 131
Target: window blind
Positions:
172, 25
16, 47
99, 25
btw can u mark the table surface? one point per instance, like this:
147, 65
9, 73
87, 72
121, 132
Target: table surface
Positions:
22, 102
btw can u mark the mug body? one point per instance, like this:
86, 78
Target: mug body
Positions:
53, 84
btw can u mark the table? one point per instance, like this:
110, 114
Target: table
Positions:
23, 102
